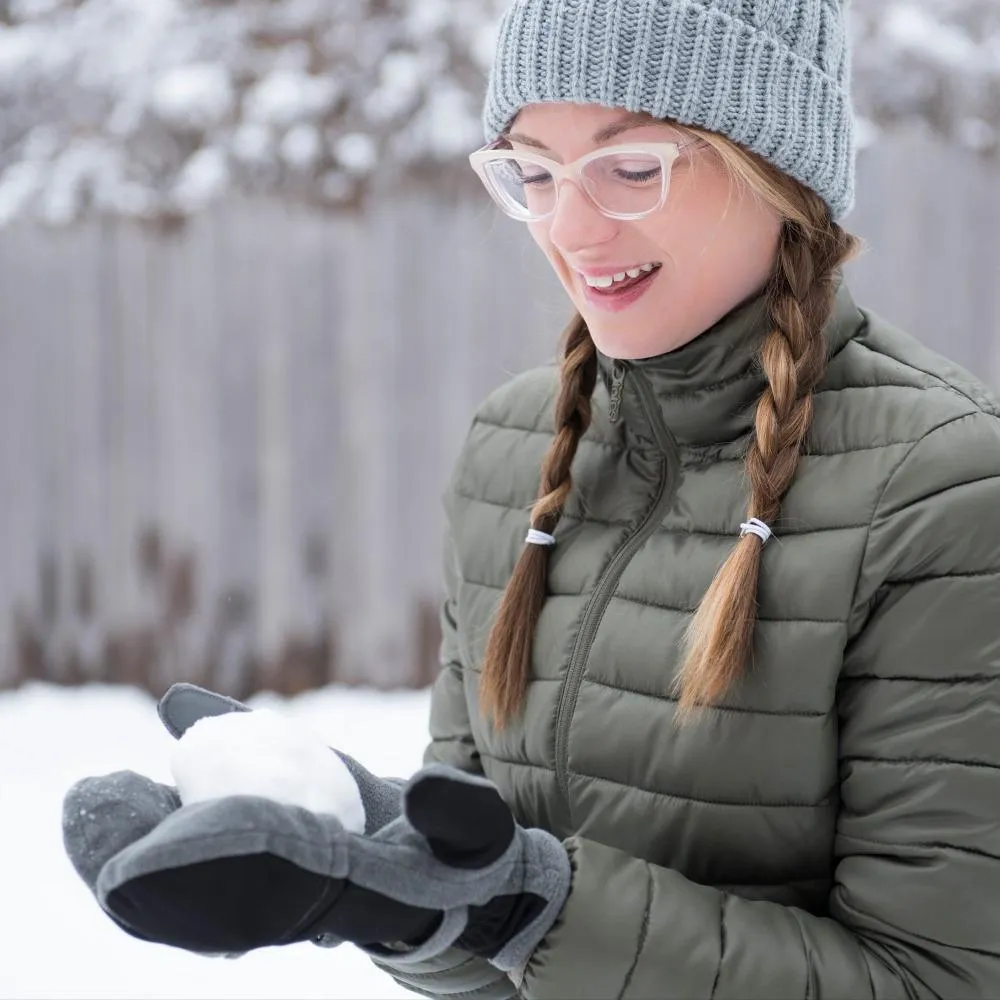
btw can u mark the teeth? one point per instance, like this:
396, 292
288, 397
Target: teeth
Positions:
608, 280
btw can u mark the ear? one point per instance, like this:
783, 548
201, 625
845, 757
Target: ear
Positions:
466, 822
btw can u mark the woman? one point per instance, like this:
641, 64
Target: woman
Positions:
743, 674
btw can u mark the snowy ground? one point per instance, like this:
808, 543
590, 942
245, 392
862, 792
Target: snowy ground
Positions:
55, 942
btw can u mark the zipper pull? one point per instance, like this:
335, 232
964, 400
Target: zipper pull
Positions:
618, 371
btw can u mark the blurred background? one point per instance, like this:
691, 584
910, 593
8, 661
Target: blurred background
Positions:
251, 293
250, 296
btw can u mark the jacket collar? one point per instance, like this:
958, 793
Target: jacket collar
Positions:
707, 390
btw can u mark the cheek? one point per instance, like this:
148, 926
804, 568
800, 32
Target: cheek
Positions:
540, 234
720, 236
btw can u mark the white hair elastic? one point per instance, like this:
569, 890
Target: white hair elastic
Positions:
539, 538
755, 526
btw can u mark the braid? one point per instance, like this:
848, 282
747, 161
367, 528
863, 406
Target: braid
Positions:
793, 356
507, 661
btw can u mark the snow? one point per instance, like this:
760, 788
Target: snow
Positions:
198, 96
203, 178
285, 98
56, 941
19, 183
401, 76
916, 29
265, 754
302, 146
272, 90
357, 153
253, 143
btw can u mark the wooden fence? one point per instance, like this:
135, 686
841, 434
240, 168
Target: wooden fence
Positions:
222, 448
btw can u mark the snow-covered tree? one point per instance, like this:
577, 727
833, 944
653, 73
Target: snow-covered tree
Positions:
937, 61
154, 108
151, 107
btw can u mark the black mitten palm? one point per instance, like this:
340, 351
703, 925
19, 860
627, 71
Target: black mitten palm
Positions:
241, 873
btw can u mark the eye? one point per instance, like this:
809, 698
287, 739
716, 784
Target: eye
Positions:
641, 175
534, 175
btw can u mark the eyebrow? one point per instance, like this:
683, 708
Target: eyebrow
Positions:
602, 136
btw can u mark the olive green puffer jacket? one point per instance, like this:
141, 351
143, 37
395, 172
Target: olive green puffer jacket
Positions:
833, 828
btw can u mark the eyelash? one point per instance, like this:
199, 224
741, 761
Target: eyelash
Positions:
638, 175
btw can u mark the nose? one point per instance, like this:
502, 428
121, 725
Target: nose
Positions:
577, 223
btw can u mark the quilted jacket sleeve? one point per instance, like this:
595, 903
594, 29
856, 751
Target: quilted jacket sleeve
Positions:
915, 908
454, 973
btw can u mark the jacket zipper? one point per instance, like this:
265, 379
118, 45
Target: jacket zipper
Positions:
617, 386
606, 585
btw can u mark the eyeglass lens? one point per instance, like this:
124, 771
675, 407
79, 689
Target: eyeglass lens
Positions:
626, 183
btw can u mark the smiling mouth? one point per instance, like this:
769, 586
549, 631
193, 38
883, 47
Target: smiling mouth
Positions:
610, 285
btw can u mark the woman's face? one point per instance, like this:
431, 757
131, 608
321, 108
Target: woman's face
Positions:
714, 243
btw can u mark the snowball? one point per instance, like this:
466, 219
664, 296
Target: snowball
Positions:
263, 754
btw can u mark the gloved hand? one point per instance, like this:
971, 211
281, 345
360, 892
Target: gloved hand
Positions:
103, 815
239, 873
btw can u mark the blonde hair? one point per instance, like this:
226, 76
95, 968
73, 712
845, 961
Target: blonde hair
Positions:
800, 295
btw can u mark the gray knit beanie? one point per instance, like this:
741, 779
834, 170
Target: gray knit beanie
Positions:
772, 75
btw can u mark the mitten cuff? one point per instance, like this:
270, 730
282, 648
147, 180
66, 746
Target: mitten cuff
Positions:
448, 931
547, 874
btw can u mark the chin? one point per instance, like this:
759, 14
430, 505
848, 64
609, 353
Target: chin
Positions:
627, 341
616, 343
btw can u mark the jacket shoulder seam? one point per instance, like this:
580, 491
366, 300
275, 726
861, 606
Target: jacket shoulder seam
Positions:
983, 404
889, 479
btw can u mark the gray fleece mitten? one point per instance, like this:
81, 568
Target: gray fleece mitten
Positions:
104, 815
238, 873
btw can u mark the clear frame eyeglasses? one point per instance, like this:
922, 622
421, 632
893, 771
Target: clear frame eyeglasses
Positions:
624, 182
